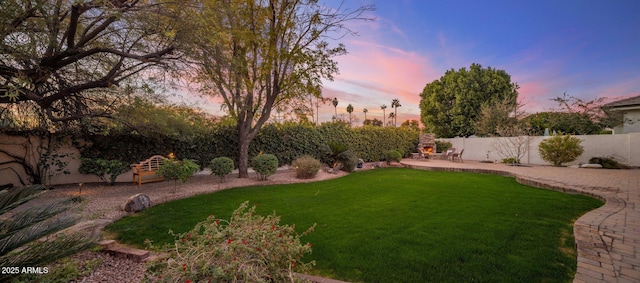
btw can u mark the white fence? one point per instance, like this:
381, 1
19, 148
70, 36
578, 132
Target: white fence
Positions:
625, 148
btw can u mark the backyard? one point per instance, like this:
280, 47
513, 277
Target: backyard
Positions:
402, 225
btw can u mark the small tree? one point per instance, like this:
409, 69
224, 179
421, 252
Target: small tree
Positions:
265, 165
221, 166
560, 149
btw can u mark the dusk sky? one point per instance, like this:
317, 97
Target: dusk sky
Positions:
587, 49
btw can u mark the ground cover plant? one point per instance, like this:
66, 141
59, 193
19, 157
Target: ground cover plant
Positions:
403, 225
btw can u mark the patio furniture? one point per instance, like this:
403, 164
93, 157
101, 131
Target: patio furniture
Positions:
458, 156
447, 154
147, 167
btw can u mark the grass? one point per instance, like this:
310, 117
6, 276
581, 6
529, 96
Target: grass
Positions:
403, 225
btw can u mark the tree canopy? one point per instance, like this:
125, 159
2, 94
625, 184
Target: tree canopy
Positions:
451, 105
259, 55
62, 59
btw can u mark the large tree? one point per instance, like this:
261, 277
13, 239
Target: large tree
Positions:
63, 59
451, 105
258, 54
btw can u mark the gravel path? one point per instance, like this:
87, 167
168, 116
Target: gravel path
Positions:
103, 205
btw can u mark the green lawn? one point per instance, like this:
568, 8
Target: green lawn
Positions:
403, 225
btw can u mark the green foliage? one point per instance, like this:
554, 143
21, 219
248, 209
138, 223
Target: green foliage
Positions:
392, 156
607, 163
568, 123
221, 166
20, 243
174, 170
246, 248
560, 149
451, 105
265, 165
511, 160
350, 162
307, 167
442, 146
102, 168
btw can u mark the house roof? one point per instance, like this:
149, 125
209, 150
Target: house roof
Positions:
631, 101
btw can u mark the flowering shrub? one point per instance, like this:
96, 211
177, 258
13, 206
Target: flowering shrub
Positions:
221, 166
307, 167
247, 248
265, 165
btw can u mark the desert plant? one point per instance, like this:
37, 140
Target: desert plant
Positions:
607, 162
174, 170
392, 155
350, 162
336, 154
511, 160
221, 166
19, 238
306, 166
560, 149
246, 248
102, 167
265, 165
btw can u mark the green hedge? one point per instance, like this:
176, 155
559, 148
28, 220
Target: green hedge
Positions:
287, 141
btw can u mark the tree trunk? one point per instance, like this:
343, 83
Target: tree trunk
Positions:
244, 140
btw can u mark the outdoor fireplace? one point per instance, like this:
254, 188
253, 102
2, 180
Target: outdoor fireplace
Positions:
426, 145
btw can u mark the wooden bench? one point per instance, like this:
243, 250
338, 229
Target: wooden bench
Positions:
147, 167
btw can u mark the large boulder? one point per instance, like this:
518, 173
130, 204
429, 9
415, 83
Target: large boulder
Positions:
137, 203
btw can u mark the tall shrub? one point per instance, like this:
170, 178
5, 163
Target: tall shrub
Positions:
307, 167
103, 168
560, 149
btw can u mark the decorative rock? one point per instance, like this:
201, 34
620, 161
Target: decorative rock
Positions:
590, 166
137, 203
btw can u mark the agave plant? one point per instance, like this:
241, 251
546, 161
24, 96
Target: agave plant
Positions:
27, 235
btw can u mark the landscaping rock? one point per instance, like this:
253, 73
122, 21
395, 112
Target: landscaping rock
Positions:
590, 166
137, 203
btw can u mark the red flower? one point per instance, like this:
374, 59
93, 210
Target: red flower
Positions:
188, 281
230, 241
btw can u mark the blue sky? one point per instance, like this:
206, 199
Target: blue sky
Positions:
587, 49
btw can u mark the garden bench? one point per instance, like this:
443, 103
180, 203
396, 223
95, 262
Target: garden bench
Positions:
147, 167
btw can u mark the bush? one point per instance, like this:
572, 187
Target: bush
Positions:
102, 167
221, 166
247, 248
307, 167
392, 155
173, 170
560, 149
442, 146
350, 162
607, 162
511, 160
265, 165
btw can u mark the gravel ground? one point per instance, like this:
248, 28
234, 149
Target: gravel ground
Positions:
103, 205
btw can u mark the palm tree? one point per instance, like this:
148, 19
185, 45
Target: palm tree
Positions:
19, 244
383, 107
395, 103
365, 113
335, 106
350, 110
392, 117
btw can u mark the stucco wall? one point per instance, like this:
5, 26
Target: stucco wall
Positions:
625, 148
631, 122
